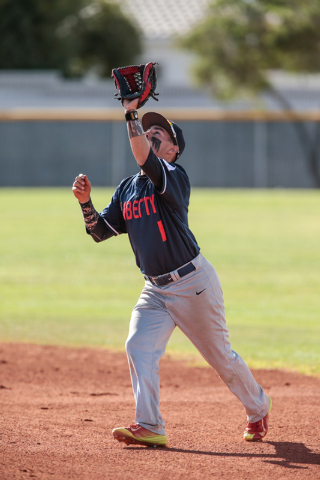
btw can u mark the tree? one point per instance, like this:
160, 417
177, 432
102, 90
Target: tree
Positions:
73, 36
240, 41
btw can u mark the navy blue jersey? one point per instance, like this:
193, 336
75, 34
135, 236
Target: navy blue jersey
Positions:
152, 208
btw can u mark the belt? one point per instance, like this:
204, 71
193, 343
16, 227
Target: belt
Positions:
163, 280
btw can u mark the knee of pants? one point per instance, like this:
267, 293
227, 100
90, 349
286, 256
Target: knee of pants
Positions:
223, 362
129, 346
133, 346
139, 350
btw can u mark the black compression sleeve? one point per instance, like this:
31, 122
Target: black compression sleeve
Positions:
90, 215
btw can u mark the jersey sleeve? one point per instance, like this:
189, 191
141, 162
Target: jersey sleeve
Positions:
111, 222
170, 179
152, 168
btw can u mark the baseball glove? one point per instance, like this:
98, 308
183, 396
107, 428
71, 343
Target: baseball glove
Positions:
136, 81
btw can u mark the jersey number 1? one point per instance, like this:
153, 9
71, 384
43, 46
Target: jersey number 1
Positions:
163, 233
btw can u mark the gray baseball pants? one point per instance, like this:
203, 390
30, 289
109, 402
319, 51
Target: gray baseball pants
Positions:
202, 318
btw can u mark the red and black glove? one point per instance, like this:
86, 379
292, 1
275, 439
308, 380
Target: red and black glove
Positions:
136, 81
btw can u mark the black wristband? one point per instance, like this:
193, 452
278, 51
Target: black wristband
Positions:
131, 115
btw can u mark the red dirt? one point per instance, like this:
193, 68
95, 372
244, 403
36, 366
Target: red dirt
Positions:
59, 405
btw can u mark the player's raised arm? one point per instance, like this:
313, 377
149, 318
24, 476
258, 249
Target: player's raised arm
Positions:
139, 144
135, 85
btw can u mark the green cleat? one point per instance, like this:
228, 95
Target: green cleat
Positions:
138, 435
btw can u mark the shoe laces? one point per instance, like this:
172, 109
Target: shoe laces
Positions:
255, 425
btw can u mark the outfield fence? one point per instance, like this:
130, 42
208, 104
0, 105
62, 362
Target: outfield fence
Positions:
246, 149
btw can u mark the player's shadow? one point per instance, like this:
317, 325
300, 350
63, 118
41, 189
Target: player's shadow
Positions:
287, 454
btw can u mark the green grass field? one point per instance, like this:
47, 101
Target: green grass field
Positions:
59, 287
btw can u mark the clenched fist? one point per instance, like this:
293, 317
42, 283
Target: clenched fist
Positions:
81, 188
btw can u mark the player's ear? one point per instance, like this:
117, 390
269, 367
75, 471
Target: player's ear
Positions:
173, 150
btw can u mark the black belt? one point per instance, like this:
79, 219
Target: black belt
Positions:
163, 280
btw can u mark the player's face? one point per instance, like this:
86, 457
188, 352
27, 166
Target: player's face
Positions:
161, 142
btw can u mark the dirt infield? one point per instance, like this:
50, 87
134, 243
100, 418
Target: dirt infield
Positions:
59, 405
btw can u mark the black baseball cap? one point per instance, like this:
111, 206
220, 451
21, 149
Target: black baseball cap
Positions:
152, 118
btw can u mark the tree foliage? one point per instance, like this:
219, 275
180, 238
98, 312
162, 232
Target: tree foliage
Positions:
241, 40
73, 36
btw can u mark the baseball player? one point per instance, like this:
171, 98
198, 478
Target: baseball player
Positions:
181, 287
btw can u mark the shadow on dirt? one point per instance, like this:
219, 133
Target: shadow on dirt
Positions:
287, 454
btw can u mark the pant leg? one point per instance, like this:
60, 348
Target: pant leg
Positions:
202, 318
149, 333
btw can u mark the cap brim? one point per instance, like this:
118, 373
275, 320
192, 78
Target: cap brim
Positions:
152, 118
